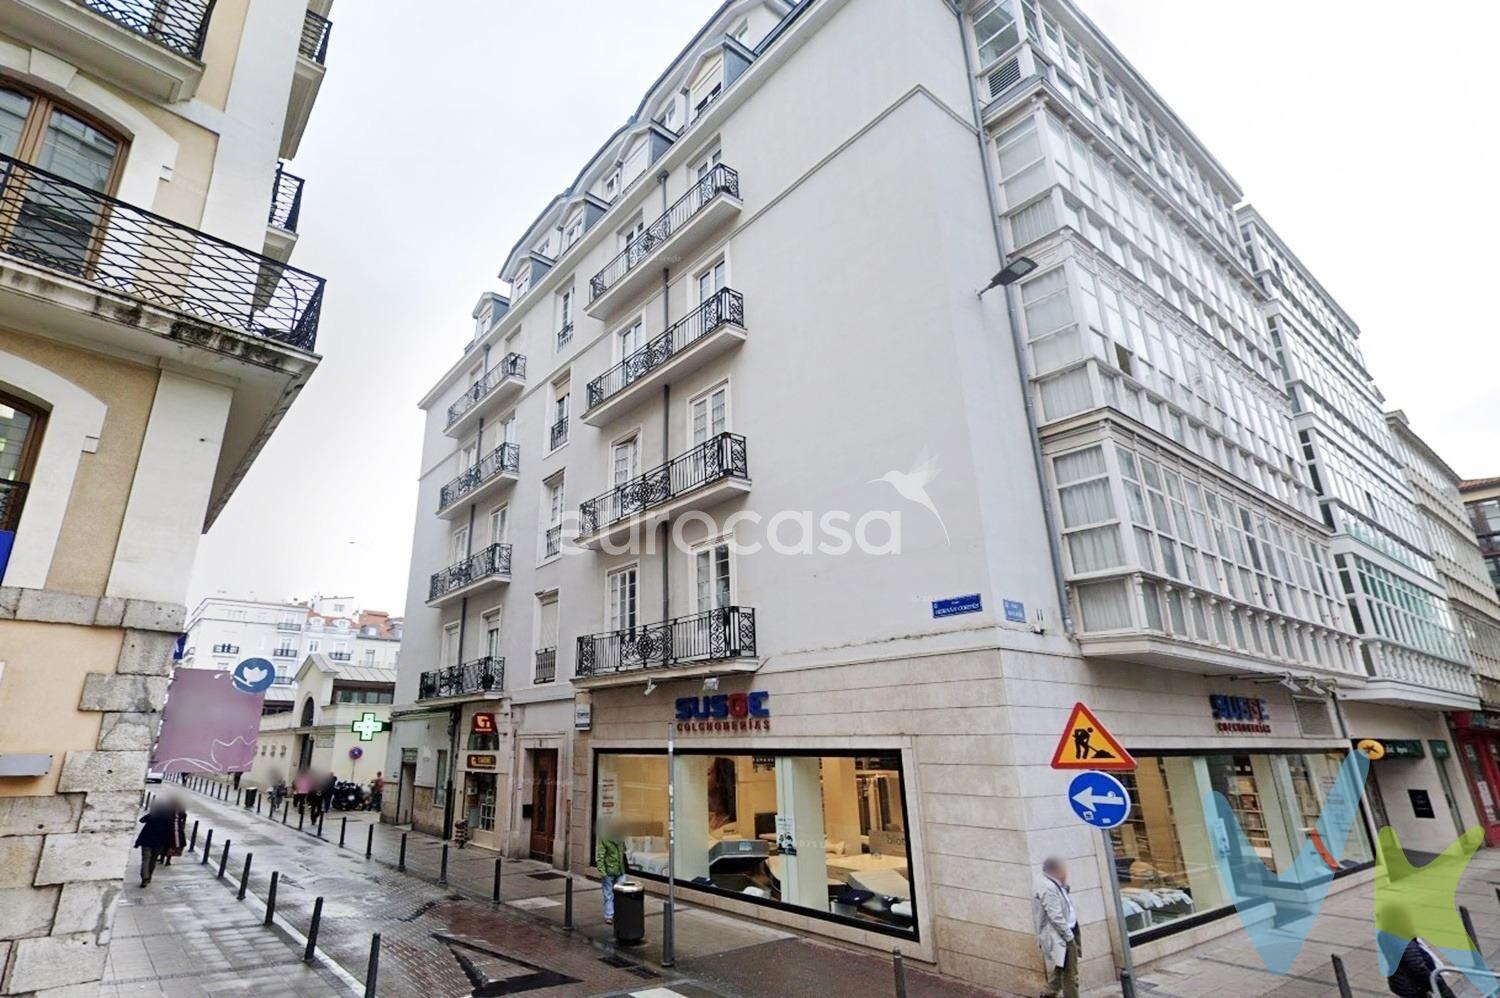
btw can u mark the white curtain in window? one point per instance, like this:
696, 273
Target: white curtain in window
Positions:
1066, 394
1087, 503
1095, 550
1079, 464
1105, 606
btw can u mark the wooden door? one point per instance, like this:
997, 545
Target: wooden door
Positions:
543, 803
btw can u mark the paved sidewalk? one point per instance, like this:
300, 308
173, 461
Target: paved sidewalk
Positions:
451, 940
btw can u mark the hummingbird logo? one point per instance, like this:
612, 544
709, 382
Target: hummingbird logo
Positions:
912, 485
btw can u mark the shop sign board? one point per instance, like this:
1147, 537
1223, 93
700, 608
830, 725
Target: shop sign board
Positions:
1099, 799
1240, 715
724, 712
1439, 748
1376, 749
477, 761
583, 716
483, 724
1087, 744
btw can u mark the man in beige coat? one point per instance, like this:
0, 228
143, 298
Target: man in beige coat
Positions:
1057, 930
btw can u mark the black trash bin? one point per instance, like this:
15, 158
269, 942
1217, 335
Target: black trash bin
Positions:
630, 913
250, 795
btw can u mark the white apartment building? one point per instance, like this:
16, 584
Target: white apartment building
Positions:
746, 454
222, 632
1475, 609
152, 338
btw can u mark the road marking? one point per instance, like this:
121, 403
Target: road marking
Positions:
657, 993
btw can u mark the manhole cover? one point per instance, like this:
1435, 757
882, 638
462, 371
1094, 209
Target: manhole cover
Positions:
547, 876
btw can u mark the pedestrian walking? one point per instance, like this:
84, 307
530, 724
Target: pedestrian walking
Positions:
377, 788
156, 837
609, 859
301, 784
1057, 930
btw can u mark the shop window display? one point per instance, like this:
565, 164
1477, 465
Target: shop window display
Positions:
825, 834
1167, 852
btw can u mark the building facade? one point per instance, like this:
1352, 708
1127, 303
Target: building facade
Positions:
747, 463
1475, 609
222, 632
338, 724
152, 336
1482, 499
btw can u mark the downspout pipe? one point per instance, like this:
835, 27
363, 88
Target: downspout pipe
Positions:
1054, 548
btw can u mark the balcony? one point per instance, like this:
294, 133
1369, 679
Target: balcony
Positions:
716, 326
289, 625
498, 387
552, 541
558, 434
490, 567
565, 335
702, 478
284, 653
715, 642
546, 666
103, 245
152, 48
500, 467
683, 228
286, 208
480, 677
307, 80
340, 656
1402, 677
226, 649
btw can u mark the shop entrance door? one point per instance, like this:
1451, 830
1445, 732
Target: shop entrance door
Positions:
1479, 765
543, 796
479, 809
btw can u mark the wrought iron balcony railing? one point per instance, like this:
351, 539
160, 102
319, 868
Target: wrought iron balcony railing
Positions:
226, 649
12, 499
711, 636
284, 653
483, 675
491, 561
565, 335
552, 541
502, 460
725, 307
286, 200
289, 625
719, 180
179, 25
341, 656
559, 433
513, 366
546, 665
717, 458
52, 222
315, 31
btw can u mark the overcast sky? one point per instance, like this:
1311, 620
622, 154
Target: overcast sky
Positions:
1363, 133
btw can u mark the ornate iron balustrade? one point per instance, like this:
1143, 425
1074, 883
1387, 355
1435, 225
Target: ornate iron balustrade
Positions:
546, 665
725, 307
503, 459
483, 675
491, 561
12, 500
226, 649
559, 433
54, 223
286, 200
565, 336
284, 653
179, 25
289, 625
341, 656
719, 180
552, 541
717, 458
513, 366
315, 31
711, 636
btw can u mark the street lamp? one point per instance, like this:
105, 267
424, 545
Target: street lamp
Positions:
1016, 269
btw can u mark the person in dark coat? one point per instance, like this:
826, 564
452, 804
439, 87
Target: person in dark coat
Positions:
158, 834
179, 834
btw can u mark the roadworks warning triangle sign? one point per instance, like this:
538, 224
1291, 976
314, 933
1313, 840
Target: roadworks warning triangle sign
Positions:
1087, 744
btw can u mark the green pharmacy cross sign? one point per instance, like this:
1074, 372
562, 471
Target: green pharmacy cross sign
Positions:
368, 726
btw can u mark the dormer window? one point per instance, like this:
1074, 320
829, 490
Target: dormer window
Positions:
573, 231
522, 280
612, 186
482, 323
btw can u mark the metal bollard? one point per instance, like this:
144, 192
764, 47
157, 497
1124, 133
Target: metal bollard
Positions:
271, 897
193, 844
285, 808
301, 818
343, 829
443, 870
208, 843
223, 858
370, 842
237, 794
568, 904
1127, 985
312, 930
900, 969
401, 860
245, 875
1341, 978
495, 894
374, 969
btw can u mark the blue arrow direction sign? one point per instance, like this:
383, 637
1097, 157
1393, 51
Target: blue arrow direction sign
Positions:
253, 675
1099, 799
